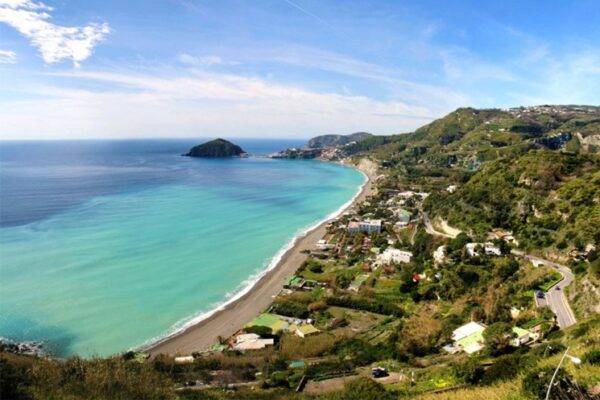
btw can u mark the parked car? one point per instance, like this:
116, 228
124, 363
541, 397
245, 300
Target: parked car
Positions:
379, 372
539, 294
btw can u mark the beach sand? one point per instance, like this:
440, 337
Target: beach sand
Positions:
224, 323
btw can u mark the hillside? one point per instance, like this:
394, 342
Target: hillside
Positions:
549, 199
323, 141
390, 306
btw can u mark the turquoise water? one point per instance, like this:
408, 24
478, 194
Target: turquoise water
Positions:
115, 270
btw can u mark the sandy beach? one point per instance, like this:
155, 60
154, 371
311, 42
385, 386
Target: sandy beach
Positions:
231, 318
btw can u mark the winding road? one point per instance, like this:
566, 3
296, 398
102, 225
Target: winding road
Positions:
555, 296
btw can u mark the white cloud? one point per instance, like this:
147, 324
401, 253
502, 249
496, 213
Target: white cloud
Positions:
200, 61
197, 104
54, 42
8, 57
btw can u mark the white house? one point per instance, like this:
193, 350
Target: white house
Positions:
488, 248
523, 336
451, 189
439, 255
403, 217
491, 250
391, 255
367, 226
469, 337
251, 341
472, 249
322, 245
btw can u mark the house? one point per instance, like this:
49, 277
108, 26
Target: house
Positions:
367, 226
469, 337
392, 255
451, 189
251, 341
370, 226
322, 245
306, 330
353, 227
403, 217
439, 255
491, 250
472, 249
488, 248
503, 235
524, 336
537, 263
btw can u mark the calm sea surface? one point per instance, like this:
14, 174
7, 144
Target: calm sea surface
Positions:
105, 245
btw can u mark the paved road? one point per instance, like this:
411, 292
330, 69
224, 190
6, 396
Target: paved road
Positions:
555, 296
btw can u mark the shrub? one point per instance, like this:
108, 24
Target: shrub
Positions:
365, 389
469, 371
504, 368
547, 349
313, 265
290, 309
259, 330
536, 382
12, 381
592, 357
377, 307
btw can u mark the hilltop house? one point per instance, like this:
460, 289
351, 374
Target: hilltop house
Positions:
306, 330
503, 235
467, 338
524, 336
488, 248
367, 226
395, 256
403, 218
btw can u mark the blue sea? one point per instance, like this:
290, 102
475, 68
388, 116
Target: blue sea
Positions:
106, 245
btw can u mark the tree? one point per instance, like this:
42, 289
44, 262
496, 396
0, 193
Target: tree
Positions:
468, 371
536, 382
497, 338
419, 334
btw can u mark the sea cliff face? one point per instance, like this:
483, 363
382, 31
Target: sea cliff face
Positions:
216, 148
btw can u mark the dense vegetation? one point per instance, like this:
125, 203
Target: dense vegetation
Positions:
530, 171
336, 140
215, 148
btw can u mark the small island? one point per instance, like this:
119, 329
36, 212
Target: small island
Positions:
216, 148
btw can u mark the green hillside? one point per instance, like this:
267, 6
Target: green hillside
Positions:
532, 171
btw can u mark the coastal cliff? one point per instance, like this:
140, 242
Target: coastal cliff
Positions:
216, 148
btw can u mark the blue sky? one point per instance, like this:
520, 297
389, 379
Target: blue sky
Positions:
283, 68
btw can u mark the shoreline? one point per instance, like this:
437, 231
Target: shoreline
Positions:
203, 331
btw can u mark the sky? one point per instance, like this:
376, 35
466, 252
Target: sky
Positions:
83, 69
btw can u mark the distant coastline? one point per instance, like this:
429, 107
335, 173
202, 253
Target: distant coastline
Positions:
256, 293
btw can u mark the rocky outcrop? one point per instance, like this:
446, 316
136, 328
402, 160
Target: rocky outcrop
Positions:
216, 148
